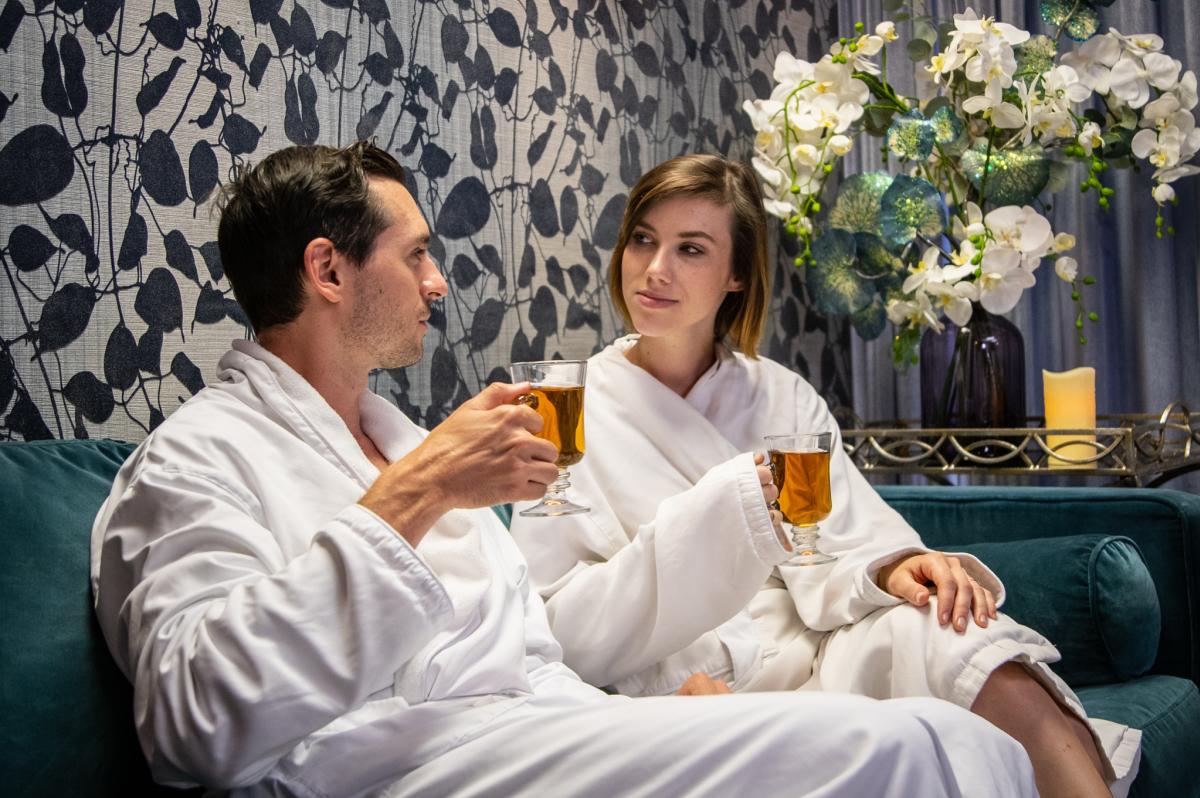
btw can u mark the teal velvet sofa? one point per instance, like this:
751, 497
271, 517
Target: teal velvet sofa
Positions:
1111, 576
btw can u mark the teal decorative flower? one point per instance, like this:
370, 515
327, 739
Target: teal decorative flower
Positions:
870, 322
911, 137
832, 279
1081, 17
949, 131
1014, 177
877, 263
911, 207
1035, 57
857, 206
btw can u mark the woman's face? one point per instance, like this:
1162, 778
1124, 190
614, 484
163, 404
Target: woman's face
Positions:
677, 268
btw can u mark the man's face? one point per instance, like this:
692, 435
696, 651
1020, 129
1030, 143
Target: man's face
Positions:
396, 283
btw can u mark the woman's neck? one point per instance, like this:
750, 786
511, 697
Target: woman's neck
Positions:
676, 364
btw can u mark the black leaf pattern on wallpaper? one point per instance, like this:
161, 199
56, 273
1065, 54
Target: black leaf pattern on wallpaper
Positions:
524, 123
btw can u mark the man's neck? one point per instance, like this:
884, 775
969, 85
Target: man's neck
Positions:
340, 382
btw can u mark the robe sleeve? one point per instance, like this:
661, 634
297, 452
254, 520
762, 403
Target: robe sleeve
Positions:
862, 530
618, 606
237, 650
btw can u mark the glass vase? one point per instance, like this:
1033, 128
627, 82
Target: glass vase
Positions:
974, 375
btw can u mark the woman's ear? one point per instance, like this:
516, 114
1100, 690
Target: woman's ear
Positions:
734, 284
322, 269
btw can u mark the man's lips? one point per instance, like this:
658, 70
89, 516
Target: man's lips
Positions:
649, 300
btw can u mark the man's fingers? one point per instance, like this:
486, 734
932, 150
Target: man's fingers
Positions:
499, 393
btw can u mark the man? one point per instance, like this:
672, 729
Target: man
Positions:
299, 585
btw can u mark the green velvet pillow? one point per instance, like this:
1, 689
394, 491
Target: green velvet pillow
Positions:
66, 711
1090, 595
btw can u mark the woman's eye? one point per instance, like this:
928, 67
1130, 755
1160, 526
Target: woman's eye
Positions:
691, 249
640, 238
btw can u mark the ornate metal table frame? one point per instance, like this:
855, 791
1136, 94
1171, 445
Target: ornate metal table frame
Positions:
1135, 449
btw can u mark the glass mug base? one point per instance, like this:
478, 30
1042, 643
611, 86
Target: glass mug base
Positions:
550, 507
805, 550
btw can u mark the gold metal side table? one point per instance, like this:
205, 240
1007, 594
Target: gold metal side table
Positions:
1133, 449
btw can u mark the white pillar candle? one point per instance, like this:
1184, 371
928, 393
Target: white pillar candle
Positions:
1070, 404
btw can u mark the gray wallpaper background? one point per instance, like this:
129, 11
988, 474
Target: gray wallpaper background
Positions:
524, 125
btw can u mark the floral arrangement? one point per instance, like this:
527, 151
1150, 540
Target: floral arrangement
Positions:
999, 117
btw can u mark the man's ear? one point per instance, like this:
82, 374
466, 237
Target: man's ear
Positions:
323, 267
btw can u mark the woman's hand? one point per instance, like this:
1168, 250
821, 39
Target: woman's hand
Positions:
702, 684
770, 493
959, 595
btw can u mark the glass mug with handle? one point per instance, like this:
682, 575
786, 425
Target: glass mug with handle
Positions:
556, 393
800, 467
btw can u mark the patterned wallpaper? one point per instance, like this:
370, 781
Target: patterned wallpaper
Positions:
524, 125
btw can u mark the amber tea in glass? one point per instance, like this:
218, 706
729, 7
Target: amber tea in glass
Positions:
556, 393
800, 467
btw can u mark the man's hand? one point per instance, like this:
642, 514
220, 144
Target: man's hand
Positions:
484, 453
912, 578
702, 684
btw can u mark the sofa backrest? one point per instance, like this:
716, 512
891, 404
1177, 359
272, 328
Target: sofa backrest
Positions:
66, 711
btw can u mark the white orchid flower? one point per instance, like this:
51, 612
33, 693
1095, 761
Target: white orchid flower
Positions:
887, 31
923, 271
769, 171
1094, 60
1161, 148
1176, 172
1132, 77
1090, 137
973, 227
840, 145
1063, 83
1139, 43
954, 300
1062, 243
1157, 113
1185, 90
1066, 268
791, 71
1163, 193
990, 106
917, 312
1022, 229
1002, 279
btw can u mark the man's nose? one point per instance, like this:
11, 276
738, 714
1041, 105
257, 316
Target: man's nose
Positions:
433, 284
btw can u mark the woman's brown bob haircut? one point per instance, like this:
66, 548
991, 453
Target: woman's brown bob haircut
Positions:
726, 183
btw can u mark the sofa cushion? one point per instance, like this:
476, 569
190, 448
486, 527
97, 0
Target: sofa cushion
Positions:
66, 711
1167, 710
1090, 595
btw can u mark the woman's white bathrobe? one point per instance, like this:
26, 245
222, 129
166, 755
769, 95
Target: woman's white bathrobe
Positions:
651, 586
283, 640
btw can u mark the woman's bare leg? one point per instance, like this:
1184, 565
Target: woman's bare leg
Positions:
1064, 755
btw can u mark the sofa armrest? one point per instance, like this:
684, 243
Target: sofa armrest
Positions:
1165, 524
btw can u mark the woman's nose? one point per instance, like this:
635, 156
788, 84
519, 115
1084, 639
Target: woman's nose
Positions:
659, 266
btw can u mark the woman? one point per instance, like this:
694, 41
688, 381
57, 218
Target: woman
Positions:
645, 589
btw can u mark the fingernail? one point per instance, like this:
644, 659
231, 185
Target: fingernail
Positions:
960, 623
945, 618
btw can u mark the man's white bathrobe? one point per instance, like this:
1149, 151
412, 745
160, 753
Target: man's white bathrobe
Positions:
654, 584
284, 640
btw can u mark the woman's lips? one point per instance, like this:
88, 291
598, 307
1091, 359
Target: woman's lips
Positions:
651, 301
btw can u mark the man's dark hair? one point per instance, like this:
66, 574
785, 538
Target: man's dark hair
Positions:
272, 210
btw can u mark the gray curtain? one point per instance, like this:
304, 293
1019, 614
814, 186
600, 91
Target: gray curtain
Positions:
1146, 346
